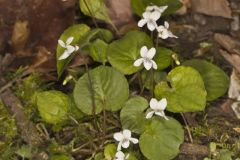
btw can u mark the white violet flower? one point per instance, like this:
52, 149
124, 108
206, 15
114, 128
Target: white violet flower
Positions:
69, 49
157, 107
124, 138
147, 56
163, 31
157, 9
121, 156
150, 19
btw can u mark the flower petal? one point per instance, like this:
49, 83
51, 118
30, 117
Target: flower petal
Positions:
162, 104
70, 49
162, 8
151, 53
160, 28
164, 34
69, 40
65, 55
134, 140
61, 43
142, 22
154, 64
155, 15
170, 34
149, 114
150, 8
127, 134
166, 24
119, 147
76, 48
160, 113
144, 51
146, 15
154, 103
138, 62
126, 144
147, 64
118, 136
120, 155
151, 25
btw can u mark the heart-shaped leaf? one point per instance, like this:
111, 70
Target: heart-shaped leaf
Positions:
104, 87
98, 51
216, 81
75, 31
97, 33
158, 77
163, 58
96, 9
139, 6
123, 52
161, 140
53, 106
186, 92
132, 116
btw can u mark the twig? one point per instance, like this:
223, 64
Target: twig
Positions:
187, 127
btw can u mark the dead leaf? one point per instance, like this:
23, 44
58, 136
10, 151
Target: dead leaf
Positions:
234, 92
20, 35
233, 59
212, 7
237, 130
183, 9
230, 44
236, 108
234, 88
120, 12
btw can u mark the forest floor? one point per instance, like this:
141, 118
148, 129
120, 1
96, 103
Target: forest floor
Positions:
29, 31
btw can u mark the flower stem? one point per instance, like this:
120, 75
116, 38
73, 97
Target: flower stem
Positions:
157, 43
152, 82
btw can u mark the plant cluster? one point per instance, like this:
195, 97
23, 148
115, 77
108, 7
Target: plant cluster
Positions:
130, 74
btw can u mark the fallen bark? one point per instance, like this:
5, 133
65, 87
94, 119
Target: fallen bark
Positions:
26, 128
194, 149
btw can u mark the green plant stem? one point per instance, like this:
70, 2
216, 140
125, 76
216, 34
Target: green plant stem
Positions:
152, 35
104, 122
157, 43
140, 82
152, 82
93, 98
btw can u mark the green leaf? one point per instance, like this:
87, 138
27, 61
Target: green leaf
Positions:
97, 33
110, 151
123, 52
98, 51
99, 156
186, 92
139, 6
225, 155
132, 116
96, 9
61, 157
163, 58
75, 31
162, 139
53, 106
109, 86
25, 152
158, 77
216, 81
